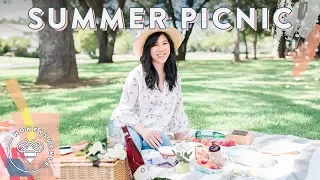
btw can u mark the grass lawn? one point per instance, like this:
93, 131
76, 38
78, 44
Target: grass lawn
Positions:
254, 95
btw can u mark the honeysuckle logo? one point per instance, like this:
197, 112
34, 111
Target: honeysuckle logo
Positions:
31, 149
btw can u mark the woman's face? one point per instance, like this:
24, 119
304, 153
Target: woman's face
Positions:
161, 50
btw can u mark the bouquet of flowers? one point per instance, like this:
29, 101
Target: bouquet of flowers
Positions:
99, 150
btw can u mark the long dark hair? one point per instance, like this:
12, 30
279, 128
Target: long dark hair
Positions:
170, 66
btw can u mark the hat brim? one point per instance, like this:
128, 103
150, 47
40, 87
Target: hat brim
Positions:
173, 33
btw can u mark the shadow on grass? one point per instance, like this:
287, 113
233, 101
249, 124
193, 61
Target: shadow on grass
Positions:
280, 106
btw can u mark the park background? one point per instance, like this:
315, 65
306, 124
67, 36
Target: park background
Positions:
231, 79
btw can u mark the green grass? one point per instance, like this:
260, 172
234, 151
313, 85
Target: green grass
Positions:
217, 95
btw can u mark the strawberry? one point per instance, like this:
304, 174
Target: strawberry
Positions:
196, 140
214, 166
224, 143
205, 142
231, 143
203, 161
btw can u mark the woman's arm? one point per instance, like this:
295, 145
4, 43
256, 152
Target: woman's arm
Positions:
180, 121
124, 113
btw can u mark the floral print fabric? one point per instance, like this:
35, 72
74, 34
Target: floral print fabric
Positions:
162, 111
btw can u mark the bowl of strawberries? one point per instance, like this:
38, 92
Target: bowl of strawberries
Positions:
207, 167
209, 141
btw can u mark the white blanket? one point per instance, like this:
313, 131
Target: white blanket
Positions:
296, 159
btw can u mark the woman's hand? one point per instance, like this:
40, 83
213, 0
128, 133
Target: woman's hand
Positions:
152, 137
178, 136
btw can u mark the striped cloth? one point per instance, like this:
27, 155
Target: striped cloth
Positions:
297, 159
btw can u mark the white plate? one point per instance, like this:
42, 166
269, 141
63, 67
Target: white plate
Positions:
65, 150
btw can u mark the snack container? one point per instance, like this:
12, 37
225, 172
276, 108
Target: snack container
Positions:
201, 152
240, 137
167, 157
205, 170
164, 157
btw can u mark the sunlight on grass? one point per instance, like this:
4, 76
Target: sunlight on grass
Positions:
255, 95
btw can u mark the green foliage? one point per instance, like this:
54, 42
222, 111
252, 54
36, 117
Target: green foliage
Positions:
85, 41
182, 157
21, 52
4, 48
19, 42
17, 46
219, 40
124, 43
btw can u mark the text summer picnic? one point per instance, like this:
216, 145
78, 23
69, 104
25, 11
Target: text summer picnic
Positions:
157, 17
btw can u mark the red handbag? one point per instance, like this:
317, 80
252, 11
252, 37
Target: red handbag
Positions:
135, 160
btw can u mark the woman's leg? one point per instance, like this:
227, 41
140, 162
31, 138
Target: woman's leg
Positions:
165, 139
137, 139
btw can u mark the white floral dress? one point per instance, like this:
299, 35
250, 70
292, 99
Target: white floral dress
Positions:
161, 111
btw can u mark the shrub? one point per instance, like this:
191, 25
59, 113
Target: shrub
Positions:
21, 52
85, 41
124, 43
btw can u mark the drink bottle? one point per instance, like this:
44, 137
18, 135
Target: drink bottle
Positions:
200, 134
114, 134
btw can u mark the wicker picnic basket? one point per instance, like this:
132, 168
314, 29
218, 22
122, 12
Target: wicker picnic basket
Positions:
77, 167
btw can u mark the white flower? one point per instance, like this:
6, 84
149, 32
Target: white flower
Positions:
100, 156
103, 151
118, 147
117, 152
96, 147
123, 155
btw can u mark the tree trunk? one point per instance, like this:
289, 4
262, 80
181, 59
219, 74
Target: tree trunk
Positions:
111, 40
236, 51
245, 43
255, 41
105, 39
282, 47
102, 39
110, 47
236, 57
171, 13
56, 49
183, 47
182, 51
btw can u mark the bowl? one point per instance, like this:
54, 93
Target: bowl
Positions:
205, 170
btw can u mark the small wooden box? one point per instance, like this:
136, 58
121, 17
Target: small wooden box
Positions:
240, 137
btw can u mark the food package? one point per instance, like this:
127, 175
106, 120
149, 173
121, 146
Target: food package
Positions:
240, 137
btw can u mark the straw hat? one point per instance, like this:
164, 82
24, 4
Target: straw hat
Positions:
173, 33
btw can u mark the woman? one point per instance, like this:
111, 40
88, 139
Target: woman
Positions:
151, 102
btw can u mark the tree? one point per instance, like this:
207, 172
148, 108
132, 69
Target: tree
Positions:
105, 39
236, 51
244, 34
56, 50
171, 13
318, 53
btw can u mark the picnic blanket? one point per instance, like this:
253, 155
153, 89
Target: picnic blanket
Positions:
296, 159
